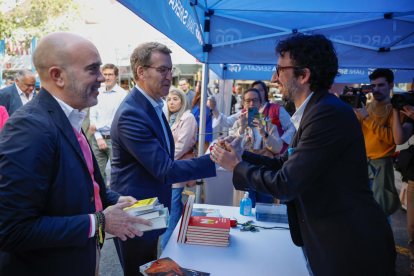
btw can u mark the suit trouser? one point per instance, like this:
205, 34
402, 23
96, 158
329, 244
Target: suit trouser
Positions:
410, 222
133, 253
102, 156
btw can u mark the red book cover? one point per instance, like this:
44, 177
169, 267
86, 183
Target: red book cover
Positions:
207, 239
165, 267
188, 207
216, 224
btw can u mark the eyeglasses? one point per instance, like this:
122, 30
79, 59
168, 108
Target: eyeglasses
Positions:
254, 101
281, 69
163, 70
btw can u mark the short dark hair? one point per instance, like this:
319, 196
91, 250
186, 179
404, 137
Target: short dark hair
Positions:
314, 52
10, 78
266, 99
382, 73
184, 79
252, 90
111, 66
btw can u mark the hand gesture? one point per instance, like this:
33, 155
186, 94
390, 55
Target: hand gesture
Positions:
258, 124
92, 129
361, 112
243, 117
226, 158
102, 144
211, 102
120, 223
408, 111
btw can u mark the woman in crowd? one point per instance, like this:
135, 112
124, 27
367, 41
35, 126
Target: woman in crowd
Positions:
262, 139
196, 112
184, 130
286, 128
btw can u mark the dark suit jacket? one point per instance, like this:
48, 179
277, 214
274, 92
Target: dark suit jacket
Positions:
46, 192
10, 99
331, 208
142, 167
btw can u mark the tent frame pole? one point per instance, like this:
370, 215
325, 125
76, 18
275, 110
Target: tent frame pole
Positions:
203, 107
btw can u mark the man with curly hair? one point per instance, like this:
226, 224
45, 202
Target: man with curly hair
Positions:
322, 176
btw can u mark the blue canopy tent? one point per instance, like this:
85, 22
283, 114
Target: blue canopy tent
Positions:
265, 72
366, 34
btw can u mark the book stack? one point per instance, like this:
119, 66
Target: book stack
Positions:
203, 230
208, 231
148, 209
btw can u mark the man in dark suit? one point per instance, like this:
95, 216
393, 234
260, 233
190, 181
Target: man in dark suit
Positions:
50, 184
143, 148
331, 209
20, 93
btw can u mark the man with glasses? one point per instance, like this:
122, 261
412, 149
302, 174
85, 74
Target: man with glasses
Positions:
185, 86
15, 96
143, 149
101, 116
323, 175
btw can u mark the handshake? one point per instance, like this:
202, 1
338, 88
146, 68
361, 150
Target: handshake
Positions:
227, 153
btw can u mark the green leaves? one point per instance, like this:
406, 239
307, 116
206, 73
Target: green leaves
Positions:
38, 18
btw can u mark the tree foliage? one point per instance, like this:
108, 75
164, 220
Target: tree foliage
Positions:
36, 18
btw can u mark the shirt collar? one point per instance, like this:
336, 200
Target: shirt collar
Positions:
74, 116
156, 104
20, 91
114, 89
297, 117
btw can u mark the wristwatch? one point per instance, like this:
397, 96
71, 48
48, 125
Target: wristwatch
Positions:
266, 135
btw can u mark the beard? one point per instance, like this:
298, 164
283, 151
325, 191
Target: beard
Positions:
79, 91
290, 90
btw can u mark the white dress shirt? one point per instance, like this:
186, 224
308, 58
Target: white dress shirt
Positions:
22, 95
75, 116
297, 117
102, 114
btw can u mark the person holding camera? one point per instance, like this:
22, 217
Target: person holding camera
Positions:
263, 139
401, 135
376, 121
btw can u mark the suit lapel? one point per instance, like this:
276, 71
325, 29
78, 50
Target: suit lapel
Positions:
312, 101
61, 121
144, 103
16, 97
170, 137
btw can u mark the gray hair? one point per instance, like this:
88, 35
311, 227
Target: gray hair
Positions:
24, 72
142, 55
184, 103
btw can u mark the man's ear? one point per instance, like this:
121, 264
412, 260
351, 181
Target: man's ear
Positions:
58, 76
305, 75
141, 72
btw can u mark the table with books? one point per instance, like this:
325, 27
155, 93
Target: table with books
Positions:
267, 252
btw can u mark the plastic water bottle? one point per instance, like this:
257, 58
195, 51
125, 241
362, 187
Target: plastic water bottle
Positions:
246, 205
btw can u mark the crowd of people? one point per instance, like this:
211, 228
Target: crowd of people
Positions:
331, 165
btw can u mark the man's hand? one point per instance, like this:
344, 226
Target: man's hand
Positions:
92, 129
120, 223
226, 158
259, 126
123, 199
102, 144
361, 113
233, 141
408, 111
